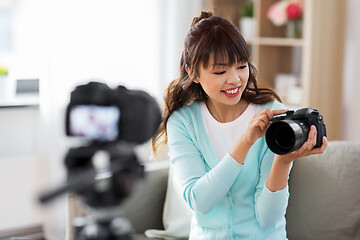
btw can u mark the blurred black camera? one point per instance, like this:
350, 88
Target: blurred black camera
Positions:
104, 171
288, 133
102, 114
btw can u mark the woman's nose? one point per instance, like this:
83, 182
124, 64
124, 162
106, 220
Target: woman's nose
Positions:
233, 76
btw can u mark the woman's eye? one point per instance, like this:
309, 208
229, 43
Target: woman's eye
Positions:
219, 73
242, 67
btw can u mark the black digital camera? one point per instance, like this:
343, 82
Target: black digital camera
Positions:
288, 133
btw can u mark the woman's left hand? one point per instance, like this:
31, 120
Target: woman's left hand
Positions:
306, 149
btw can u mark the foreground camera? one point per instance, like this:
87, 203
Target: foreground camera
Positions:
288, 133
105, 171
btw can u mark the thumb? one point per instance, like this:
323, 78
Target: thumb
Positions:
279, 111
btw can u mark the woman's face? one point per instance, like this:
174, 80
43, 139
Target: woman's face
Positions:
222, 83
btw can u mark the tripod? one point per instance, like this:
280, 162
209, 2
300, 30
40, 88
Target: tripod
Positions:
103, 178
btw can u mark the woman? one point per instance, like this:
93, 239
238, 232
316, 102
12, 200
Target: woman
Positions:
214, 122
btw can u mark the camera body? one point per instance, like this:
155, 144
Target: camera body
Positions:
102, 114
289, 132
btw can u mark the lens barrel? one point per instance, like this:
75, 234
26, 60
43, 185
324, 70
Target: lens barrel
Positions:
285, 136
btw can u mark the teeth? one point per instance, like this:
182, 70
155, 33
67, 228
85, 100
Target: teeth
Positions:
232, 91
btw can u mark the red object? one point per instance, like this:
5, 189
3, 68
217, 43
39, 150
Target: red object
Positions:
293, 11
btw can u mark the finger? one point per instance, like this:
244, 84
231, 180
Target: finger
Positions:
262, 124
269, 114
266, 112
307, 146
302, 149
279, 111
265, 118
312, 136
324, 144
322, 148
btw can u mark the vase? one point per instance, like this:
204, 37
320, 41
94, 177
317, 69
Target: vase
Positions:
248, 27
2, 87
294, 29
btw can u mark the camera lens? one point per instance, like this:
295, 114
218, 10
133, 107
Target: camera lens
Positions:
285, 136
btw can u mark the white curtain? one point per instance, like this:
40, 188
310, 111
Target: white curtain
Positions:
351, 129
134, 43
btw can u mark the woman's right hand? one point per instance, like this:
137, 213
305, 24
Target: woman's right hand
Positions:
256, 129
259, 124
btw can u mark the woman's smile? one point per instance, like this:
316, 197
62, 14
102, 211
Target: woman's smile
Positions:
233, 92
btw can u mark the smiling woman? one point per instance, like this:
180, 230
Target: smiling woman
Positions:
214, 123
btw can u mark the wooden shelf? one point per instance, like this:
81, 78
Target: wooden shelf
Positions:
270, 41
315, 59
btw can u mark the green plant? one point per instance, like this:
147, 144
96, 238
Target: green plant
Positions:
3, 70
247, 9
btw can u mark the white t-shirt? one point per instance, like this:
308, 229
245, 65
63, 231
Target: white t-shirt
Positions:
223, 136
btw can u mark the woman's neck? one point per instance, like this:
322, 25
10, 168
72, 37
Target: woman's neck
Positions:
226, 113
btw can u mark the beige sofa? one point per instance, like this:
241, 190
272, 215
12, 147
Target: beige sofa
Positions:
324, 199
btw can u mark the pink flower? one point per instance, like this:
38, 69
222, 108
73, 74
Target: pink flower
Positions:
279, 13
293, 11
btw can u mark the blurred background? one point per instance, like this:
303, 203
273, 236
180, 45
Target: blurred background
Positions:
309, 55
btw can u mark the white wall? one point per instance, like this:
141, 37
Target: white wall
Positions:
20, 127
19, 176
176, 17
352, 73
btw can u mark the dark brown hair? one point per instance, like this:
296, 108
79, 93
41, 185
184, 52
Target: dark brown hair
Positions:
215, 36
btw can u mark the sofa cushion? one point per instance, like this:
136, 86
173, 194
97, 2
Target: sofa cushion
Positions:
325, 194
144, 208
177, 214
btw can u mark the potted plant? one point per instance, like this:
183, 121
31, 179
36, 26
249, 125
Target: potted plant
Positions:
3, 71
3, 75
247, 20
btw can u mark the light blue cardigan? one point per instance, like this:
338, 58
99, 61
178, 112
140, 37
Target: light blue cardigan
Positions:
229, 200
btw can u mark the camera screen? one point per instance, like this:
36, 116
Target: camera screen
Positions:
95, 122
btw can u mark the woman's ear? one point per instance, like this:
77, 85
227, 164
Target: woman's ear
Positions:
187, 70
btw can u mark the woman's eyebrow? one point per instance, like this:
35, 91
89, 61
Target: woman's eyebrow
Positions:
226, 64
